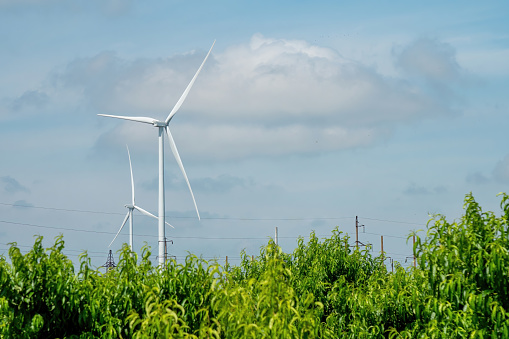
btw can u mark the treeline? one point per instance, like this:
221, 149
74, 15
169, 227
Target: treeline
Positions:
324, 289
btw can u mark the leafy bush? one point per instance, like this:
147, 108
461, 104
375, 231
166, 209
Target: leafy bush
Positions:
464, 269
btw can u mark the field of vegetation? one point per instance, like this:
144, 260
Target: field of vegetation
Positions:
324, 289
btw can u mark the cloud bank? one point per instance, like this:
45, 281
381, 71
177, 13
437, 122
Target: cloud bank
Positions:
268, 97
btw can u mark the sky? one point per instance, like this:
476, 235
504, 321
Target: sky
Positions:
306, 115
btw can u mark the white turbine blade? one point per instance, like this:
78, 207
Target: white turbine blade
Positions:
184, 95
145, 212
177, 157
138, 119
125, 220
132, 178
149, 214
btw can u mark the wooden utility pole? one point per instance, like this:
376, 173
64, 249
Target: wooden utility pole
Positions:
382, 241
226, 260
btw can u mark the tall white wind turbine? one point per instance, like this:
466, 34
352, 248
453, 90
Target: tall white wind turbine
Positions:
131, 207
163, 127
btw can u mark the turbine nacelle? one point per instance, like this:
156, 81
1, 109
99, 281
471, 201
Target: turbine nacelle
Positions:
159, 124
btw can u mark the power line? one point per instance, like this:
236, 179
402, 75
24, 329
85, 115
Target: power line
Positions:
81, 251
59, 209
178, 217
55, 228
399, 254
141, 235
230, 238
220, 218
393, 221
176, 237
194, 237
385, 235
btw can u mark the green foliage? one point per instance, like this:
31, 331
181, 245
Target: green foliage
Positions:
464, 269
323, 289
38, 291
266, 305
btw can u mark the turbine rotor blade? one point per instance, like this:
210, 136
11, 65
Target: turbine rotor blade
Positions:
179, 161
145, 120
125, 220
188, 88
167, 223
144, 212
132, 178
149, 214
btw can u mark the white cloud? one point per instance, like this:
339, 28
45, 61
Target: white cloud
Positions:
274, 80
231, 141
267, 97
234, 141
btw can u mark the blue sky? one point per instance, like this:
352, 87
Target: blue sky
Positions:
306, 115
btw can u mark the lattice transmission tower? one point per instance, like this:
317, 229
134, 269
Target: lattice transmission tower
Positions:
110, 263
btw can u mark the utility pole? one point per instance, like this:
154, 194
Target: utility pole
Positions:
166, 241
276, 238
165, 250
357, 232
382, 241
357, 225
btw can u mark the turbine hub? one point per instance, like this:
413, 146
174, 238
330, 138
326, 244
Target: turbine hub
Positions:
129, 206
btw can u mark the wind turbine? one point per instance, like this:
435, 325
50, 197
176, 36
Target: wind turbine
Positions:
162, 127
131, 207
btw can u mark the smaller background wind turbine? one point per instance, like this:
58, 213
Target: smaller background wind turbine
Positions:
131, 207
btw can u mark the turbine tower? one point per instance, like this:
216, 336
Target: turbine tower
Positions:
131, 207
163, 127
